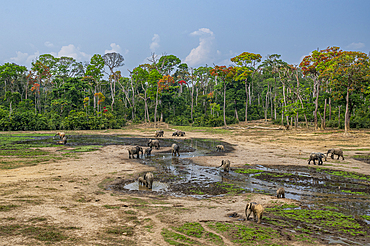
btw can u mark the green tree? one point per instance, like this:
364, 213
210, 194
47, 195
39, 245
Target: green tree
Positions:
113, 61
246, 63
349, 70
226, 75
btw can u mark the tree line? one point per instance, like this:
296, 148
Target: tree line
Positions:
329, 88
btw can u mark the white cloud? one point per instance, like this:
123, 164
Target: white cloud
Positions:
155, 43
48, 44
115, 48
24, 58
356, 46
203, 53
72, 51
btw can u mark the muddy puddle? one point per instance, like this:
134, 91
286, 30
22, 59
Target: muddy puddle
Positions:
316, 188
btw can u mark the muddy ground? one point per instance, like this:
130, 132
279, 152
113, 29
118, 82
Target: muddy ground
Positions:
70, 201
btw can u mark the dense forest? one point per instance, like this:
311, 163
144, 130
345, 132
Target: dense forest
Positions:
329, 88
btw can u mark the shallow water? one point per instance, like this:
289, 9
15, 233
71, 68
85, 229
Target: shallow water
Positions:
308, 185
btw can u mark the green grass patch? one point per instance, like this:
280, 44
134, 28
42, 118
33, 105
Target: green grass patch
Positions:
244, 234
230, 188
5, 208
248, 171
191, 229
326, 219
177, 239
345, 174
366, 217
190, 233
353, 192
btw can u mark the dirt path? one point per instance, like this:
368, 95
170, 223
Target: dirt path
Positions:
65, 202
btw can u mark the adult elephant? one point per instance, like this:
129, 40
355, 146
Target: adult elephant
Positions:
175, 149
154, 143
316, 156
135, 151
149, 177
338, 152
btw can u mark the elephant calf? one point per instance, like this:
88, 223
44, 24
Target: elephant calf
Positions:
159, 133
256, 209
142, 181
154, 143
338, 152
316, 156
149, 179
280, 193
220, 148
226, 165
135, 151
148, 151
175, 149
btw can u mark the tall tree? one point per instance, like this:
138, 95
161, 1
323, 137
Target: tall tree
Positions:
113, 61
246, 63
311, 66
349, 70
94, 73
225, 74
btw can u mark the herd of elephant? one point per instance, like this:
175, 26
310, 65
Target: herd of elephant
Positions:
317, 156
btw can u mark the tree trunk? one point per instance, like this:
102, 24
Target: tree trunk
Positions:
225, 103
346, 117
236, 112
192, 102
317, 86
155, 109
267, 100
246, 102
339, 116
323, 123
330, 108
113, 89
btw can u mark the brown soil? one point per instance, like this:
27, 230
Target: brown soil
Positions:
70, 195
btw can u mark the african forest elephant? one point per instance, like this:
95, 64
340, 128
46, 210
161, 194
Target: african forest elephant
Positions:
256, 209
154, 143
159, 133
148, 151
135, 151
142, 181
220, 147
175, 149
60, 134
149, 179
178, 133
63, 141
316, 156
338, 152
280, 193
226, 165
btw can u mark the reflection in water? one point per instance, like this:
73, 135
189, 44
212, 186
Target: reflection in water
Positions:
310, 186
157, 186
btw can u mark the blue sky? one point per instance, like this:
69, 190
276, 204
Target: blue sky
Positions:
198, 32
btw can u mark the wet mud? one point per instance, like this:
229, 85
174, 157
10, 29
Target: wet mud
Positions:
334, 205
